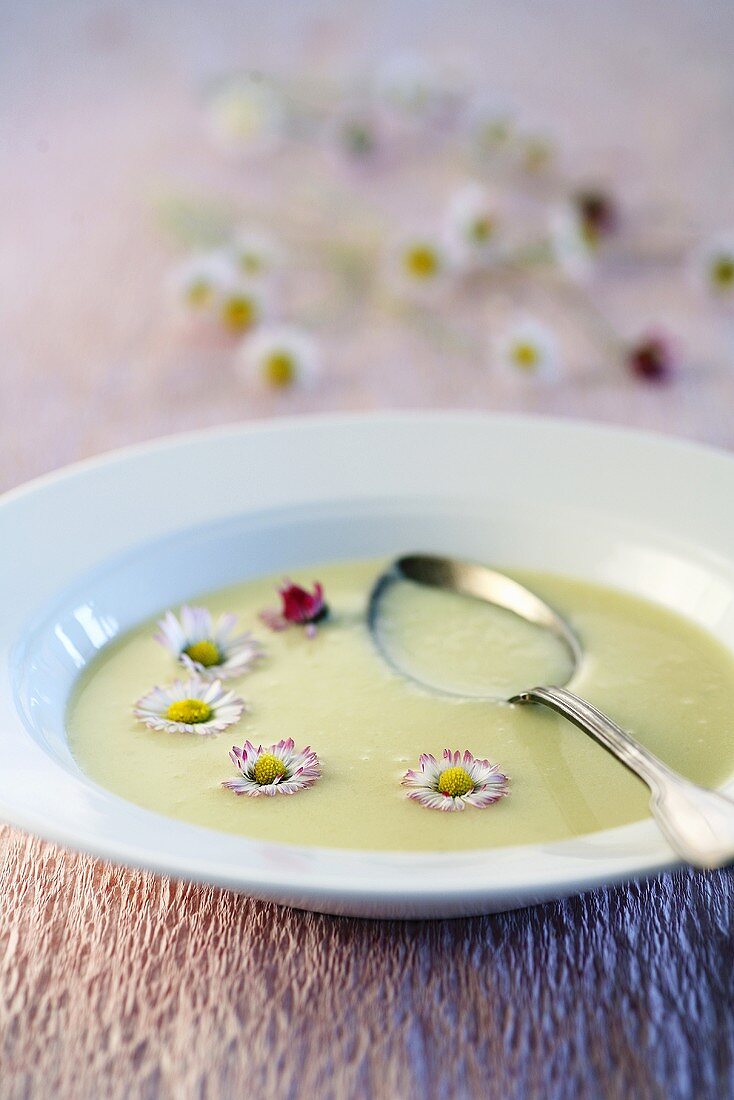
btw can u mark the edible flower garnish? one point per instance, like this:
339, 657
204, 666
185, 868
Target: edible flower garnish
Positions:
472, 225
255, 254
196, 282
598, 214
190, 706
299, 608
208, 648
280, 357
529, 349
278, 769
455, 783
419, 267
242, 304
652, 357
715, 267
247, 117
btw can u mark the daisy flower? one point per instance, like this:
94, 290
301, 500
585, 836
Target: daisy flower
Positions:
280, 356
196, 282
255, 254
357, 135
715, 268
529, 348
571, 246
536, 152
299, 607
420, 266
456, 782
652, 357
416, 92
190, 706
247, 117
278, 769
490, 126
207, 648
597, 213
471, 224
241, 303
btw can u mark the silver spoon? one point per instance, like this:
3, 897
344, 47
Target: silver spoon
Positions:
698, 823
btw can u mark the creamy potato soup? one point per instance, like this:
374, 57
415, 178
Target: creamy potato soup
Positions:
655, 673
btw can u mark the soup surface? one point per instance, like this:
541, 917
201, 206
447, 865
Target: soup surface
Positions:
662, 677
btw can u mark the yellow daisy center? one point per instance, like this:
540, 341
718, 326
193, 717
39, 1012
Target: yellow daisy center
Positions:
525, 355
204, 653
481, 229
198, 293
268, 768
455, 781
279, 369
239, 312
251, 263
421, 261
537, 155
722, 271
190, 711
494, 132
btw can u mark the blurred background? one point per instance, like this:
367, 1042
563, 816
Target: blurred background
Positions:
222, 211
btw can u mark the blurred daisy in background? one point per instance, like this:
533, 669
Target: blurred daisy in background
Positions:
653, 355
247, 116
358, 136
714, 269
489, 125
242, 304
280, 357
472, 226
528, 349
419, 266
416, 92
196, 282
537, 152
255, 254
597, 214
570, 246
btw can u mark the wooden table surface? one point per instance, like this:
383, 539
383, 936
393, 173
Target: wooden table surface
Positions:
115, 983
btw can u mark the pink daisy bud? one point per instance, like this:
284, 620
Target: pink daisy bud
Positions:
299, 608
652, 357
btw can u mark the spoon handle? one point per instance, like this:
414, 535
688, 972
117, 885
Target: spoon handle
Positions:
697, 823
